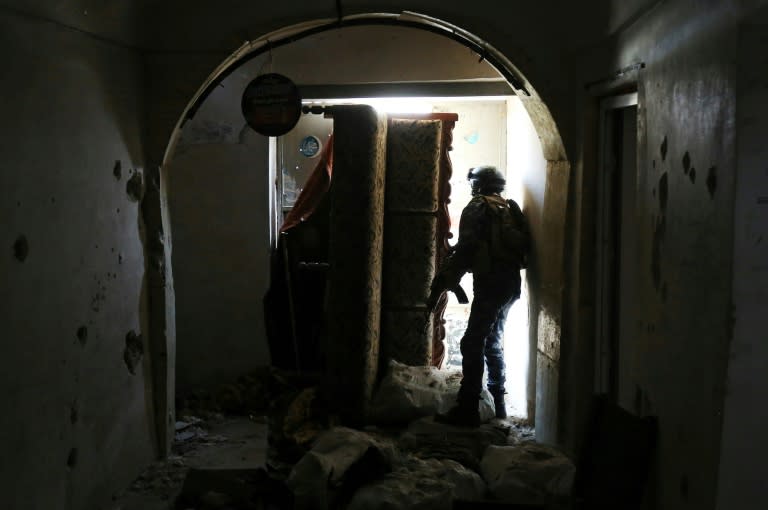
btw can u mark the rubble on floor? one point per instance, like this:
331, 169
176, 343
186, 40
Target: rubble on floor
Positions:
248, 395
232, 489
403, 460
341, 461
223, 443
428, 466
420, 483
527, 473
430, 439
407, 393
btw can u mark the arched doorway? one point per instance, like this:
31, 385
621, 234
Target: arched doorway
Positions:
544, 313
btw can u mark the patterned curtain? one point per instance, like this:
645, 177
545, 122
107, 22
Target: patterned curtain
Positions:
355, 258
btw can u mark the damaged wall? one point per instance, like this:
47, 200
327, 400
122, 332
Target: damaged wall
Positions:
76, 423
684, 220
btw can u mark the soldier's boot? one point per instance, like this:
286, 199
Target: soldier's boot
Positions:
460, 415
501, 406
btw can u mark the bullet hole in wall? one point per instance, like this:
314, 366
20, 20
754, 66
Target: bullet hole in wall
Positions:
663, 149
72, 458
686, 162
712, 181
99, 296
117, 170
21, 248
663, 191
692, 175
135, 187
82, 334
134, 350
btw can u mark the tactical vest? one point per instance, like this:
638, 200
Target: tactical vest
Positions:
506, 246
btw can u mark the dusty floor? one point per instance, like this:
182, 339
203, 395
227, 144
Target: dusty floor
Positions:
220, 442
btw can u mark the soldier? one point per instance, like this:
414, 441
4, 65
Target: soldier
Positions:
493, 245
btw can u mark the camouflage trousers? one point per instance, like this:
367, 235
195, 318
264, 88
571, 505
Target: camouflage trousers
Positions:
483, 340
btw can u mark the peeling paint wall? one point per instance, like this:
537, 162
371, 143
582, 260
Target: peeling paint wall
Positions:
76, 409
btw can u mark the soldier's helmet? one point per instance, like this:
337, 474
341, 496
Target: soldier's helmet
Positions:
486, 180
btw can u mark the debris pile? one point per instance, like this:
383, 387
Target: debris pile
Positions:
248, 395
403, 459
407, 393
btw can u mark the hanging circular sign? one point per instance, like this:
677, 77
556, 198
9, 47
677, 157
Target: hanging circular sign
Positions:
271, 104
310, 146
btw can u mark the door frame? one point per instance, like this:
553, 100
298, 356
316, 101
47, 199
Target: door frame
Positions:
607, 250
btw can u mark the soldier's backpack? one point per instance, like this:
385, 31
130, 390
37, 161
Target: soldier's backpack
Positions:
509, 241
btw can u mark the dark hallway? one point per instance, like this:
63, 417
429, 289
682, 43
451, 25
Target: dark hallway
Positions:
140, 214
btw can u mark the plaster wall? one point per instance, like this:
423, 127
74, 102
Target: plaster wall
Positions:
219, 209
76, 423
744, 446
219, 182
683, 218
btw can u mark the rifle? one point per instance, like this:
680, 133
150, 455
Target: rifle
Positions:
434, 297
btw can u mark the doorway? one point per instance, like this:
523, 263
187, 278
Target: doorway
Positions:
213, 121
493, 130
616, 251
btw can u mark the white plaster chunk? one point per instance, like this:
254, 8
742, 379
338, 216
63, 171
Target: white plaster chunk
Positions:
527, 473
420, 484
407, 393
324, 467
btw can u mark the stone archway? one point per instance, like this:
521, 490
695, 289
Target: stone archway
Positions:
547, 216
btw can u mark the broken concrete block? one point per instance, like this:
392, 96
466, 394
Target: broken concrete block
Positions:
341, 460
407, 393
420, 484
527, 473
430, 439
